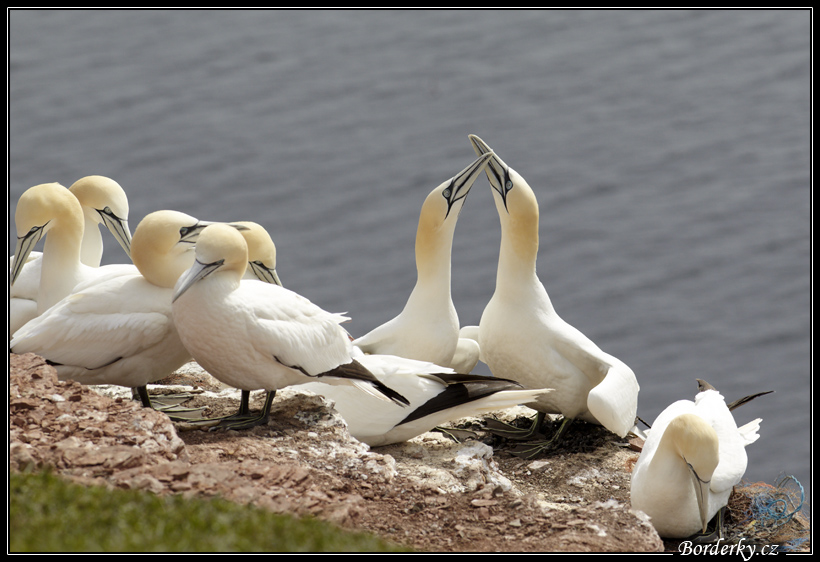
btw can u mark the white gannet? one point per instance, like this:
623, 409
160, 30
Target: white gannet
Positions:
102, 200
261, 266
120, 331
427, 327
522, 337
694, 454
253, 335
437, 395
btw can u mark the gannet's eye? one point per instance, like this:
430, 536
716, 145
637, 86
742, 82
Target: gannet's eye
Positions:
446, 193
106, 211
509, 184
186, 230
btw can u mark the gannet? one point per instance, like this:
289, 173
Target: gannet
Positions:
253, 335
120, 331
261, 266
522, 337
427, 327
437, 395
102, 200
694, 454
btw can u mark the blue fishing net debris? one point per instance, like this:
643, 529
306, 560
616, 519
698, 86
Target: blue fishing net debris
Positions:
770, 509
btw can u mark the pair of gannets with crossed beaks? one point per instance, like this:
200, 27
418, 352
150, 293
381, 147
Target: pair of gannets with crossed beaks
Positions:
692, 458
521, 337
119, 330
74, 240
427, 329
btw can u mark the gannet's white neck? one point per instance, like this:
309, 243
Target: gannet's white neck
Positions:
516, 274
434, 246
91, 250
104, 202
55, 207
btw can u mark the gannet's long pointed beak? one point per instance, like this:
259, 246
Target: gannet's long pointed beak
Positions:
25, 244
265, 273
461, 183
197, 272
118, 227
701, 494
497, 171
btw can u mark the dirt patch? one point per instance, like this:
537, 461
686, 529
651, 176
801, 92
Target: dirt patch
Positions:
432, 493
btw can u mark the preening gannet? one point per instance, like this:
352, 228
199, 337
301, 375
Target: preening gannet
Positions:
253, 335
427, 327
693, 456
437, 395
102, 200
120, 330
522, 337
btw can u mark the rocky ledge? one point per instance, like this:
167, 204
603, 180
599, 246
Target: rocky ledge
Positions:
432, 493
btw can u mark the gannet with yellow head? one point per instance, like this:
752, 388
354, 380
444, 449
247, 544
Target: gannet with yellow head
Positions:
104, 202
427, 327
253, 335
120, 330
262, 267
694, 454
522, 337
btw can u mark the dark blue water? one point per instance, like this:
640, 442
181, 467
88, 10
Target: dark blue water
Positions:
669, 151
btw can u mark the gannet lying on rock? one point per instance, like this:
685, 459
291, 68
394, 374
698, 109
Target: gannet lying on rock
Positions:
437, 395
693, 456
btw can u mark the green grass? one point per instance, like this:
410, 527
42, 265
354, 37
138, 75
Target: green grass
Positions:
48, 514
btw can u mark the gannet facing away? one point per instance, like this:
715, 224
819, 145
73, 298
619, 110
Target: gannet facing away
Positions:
120, 331
522, 337
253, 335
437, 395
693, 456
102, 200
427, 327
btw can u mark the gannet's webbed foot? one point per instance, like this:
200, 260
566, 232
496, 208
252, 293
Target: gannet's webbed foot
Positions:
166, 403
456, 434
242, 419
508, 431
537, 448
